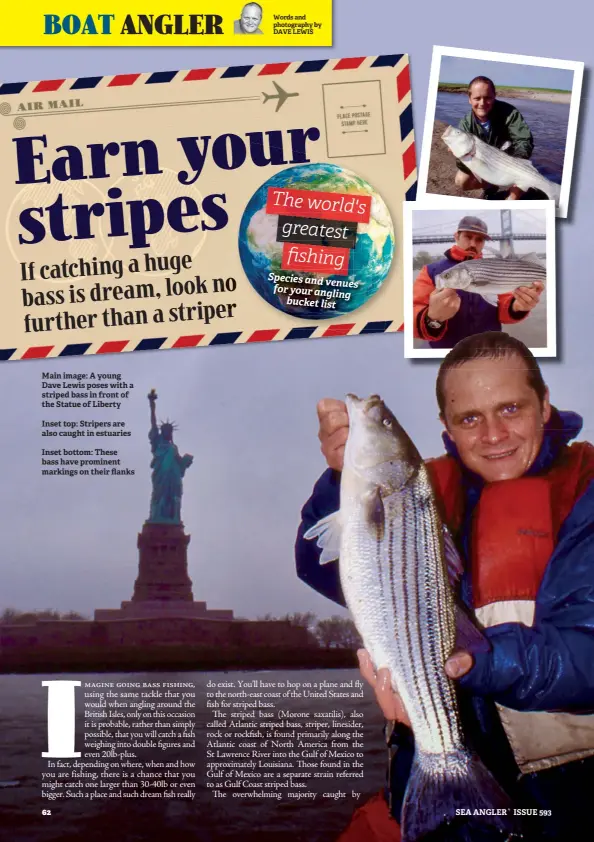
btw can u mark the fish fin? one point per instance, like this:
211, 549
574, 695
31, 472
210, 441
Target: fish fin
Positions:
328, 532
454, 564
468, 636
490, 297
532, 258
376, 514
524, 184
450, 789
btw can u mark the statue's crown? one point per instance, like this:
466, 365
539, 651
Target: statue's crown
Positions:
168, 426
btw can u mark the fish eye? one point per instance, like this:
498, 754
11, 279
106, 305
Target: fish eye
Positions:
387, 423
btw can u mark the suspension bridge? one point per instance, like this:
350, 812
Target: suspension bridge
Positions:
506, 237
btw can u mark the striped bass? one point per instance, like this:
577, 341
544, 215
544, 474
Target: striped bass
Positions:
496, 167
493, 275
392, 550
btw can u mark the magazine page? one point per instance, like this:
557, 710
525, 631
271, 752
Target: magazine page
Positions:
296, 492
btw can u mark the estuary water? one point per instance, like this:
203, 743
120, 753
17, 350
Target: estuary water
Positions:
547, 121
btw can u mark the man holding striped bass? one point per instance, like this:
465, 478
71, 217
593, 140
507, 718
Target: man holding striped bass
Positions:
445, 312
498, 124
518, 499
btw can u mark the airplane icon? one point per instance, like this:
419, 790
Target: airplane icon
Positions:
281, 95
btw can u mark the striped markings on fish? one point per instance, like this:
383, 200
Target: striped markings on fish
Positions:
494, 166
394, 557
493, 275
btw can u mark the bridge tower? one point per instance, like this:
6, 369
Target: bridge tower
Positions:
506, 244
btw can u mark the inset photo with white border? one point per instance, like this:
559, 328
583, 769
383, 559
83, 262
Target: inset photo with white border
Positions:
499, 125
471, 269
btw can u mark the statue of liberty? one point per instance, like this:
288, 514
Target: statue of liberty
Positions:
168, 469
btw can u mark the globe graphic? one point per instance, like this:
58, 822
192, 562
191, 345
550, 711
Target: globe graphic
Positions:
369, 261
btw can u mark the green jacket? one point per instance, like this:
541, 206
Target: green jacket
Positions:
507, 124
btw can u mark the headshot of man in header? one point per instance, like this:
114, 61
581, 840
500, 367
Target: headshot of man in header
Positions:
249, 21
479, 271
500, 129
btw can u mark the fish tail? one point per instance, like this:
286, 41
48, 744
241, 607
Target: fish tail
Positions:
455, 788
553, 192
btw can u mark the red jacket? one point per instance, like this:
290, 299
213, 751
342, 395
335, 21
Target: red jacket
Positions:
424, 286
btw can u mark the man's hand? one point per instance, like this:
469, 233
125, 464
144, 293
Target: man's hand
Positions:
514, 193
390, 702
526, 298
334, 430
443, 304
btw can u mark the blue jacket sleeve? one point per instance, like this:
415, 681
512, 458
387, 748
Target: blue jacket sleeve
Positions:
324, 500
549, 666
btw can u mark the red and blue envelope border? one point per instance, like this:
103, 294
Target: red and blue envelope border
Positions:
237, 72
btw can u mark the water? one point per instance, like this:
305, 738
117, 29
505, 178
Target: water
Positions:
547, 121
23, 737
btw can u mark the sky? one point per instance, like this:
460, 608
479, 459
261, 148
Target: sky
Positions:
247, 413
462, 70
427, 222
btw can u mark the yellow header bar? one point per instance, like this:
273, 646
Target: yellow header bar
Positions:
48, 23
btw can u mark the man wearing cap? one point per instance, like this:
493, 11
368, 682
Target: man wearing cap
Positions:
443, 317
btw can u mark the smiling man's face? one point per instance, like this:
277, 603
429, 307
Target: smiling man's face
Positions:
482, 98
251, 16
494, 416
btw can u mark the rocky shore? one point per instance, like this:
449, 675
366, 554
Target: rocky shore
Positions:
442, 167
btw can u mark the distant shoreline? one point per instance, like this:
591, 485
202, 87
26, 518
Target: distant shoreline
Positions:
542, 94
